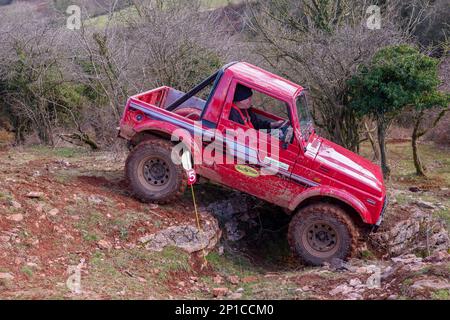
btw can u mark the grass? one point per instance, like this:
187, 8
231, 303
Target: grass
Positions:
171, 259
59, 152
6, 196
233, 264
27, 271
137, 270
444, 214
441, 295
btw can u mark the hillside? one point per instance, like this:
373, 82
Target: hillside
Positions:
60, 207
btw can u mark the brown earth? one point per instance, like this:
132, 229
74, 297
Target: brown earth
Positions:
97, 223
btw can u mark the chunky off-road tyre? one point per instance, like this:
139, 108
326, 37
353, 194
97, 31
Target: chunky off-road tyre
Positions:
322, 232
151, 173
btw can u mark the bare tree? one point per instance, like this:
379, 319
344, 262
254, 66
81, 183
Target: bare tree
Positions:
320, 44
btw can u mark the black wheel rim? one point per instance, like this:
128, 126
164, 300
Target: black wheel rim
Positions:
156, 172
322, 237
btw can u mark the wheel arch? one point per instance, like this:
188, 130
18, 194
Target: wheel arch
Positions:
356, 209
160, 130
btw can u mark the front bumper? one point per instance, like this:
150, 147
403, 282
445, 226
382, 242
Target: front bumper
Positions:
380, 219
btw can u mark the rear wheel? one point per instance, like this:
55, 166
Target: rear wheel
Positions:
152, 174
321, 232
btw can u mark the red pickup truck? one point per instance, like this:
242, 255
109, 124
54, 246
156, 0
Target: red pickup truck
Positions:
331, 193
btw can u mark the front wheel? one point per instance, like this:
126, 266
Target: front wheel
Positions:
151, 173
321, 232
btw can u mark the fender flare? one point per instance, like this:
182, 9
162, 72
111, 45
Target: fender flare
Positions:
157, 126
337, 194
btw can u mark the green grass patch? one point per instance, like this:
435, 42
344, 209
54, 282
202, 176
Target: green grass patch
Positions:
27, 271
444, 214
60, 152
441, 295
233, 264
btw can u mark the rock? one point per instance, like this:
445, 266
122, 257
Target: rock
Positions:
390, 271
249, 279
233, 233
438, 256
226, 209
337, 263
233, 279
35, 194
53, 212
95, 199
5, 279
392, 297
15, 204
103, 244
32, 265
236, 295
240, 290
433, 284
424, 204
406, 236
220, 292
6, 276
142, 280
354, 296
40, 207
439, 240
306, 288
218, 279
15, 217
341, 289
186, 237
355, 282
408, 259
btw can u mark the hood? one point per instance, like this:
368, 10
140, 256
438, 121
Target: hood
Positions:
349, 168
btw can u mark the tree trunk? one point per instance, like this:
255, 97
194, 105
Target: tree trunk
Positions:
381, 142
376, 154
417, 133
420, 170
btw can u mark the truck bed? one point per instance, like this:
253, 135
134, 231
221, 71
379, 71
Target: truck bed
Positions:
162, 97
152, 105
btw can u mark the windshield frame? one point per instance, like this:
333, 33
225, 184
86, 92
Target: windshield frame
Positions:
302, 111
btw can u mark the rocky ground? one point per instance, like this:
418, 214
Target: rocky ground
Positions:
66, 215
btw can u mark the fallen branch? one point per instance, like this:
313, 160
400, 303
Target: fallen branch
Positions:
73, 138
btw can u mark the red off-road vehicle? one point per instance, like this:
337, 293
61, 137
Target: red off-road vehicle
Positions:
330, 192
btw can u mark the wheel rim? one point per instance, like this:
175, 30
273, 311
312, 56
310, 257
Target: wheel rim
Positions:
321, 239
155, 172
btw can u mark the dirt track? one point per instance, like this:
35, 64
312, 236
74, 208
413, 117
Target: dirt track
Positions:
82, 212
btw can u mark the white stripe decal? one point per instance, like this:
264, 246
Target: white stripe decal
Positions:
246, 151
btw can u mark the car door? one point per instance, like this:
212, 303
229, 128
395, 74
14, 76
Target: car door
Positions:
262, 168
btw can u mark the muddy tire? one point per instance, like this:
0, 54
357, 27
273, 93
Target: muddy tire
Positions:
321, 232
151, 173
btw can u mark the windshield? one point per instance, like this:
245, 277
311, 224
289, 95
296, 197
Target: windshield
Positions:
306, 123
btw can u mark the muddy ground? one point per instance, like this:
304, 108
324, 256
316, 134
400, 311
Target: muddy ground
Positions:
66, 209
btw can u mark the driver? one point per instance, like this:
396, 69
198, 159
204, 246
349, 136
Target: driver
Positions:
242, 111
